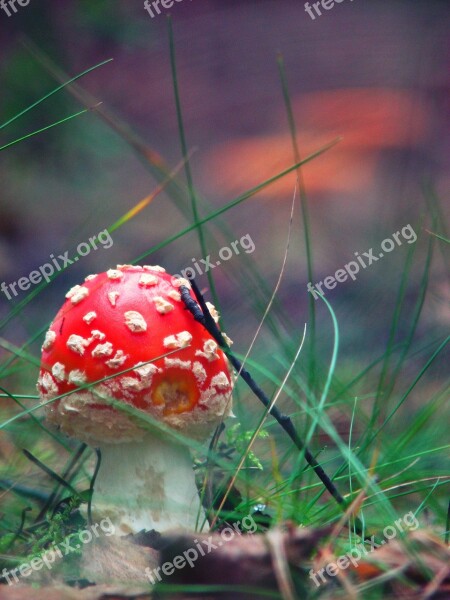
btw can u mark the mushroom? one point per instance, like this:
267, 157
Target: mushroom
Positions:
105, 351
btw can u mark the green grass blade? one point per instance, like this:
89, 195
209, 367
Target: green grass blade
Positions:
187, 166
305, 218
55, 91
25, 137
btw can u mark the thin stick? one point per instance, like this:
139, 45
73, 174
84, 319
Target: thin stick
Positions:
92, 484
201, 314
258, 429
49, 472
53, 496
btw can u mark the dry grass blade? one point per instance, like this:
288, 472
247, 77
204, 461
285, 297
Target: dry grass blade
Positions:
260, 426
277, 549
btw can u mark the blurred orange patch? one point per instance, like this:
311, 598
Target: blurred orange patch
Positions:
369, 120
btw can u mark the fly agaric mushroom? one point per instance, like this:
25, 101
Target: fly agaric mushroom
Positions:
105, 334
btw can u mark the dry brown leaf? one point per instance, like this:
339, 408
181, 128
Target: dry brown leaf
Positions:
433, 553
388, 561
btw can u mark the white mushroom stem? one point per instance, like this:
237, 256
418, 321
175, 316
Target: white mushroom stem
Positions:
147, 485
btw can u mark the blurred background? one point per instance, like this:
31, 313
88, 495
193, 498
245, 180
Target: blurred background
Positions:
375, 73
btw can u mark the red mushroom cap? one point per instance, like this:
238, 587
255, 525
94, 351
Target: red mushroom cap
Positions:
118, 321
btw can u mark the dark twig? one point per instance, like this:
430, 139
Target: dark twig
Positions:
19, 532
92, 484
49, 472
24, 491
66, 475
210, 465
201, 314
